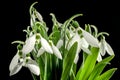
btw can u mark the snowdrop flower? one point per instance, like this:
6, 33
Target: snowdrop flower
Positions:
40, 51
54, 49
59, 43
104, 47
82, 44
46, 46
90, 39
18, 61
29, 44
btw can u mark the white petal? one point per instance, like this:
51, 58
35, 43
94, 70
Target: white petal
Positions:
90, 39
29, 44
40, 51
56, 51
59, 44
33, 67
99, 58
16, 69
14, 62
102, 47
86, 50
76, 38
109, 49
84, 43
46, 45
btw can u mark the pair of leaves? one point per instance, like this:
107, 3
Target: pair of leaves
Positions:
91, 71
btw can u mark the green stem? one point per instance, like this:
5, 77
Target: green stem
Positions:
45, 71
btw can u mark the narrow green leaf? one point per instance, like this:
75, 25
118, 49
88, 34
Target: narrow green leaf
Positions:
55, 36
88, 66
41, 66
99, 67
107, 75
68, 61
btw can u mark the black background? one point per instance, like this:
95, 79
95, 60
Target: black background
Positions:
15, 17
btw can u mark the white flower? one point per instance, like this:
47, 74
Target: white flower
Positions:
90, 39
40, 51
46, 46
82, 44
104, 47
59, 43
17, 63
29, 44
85, 46
33, 66
56, 51
14, 65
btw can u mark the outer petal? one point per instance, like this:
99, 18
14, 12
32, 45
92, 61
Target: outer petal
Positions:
85, 50
74, 39
46, 45
33, 67
90, 39
109, 49
16, 69
102, 47
99, 58
59, 44
56, 51
84, 43
14, 62
29, 44
40, 52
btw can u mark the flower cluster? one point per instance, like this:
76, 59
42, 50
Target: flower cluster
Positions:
44, 53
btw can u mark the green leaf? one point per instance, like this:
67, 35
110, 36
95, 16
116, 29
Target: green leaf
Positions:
107, 75
99, 67
87, 67
55, 36
68, 61
41, 65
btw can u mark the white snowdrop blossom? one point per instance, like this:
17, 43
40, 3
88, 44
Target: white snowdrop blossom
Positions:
46, 46
17, 63
29, 44
82, 44
59, 43
56, 51
90, 39
40, 51
104, 47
